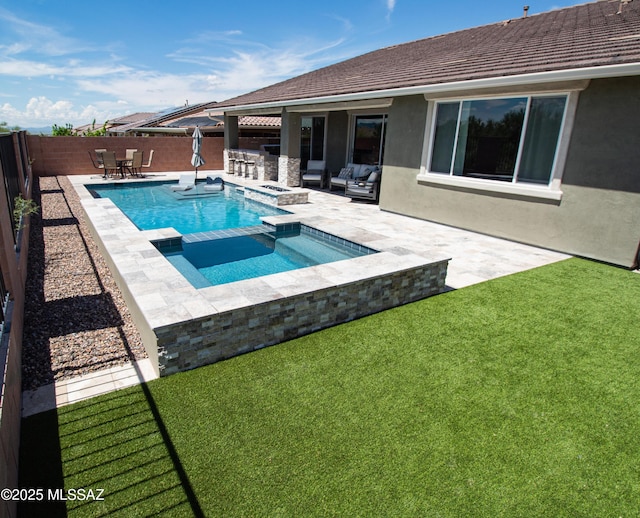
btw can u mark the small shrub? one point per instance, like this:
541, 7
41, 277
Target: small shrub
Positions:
23, 207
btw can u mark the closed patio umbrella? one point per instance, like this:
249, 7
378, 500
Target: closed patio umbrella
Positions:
196, 159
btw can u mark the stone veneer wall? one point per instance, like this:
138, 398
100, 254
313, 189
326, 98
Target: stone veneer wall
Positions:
289, 171
268, 168
199, 342
276, 198
265, 167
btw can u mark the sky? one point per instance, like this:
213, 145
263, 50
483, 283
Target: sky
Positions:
73, 62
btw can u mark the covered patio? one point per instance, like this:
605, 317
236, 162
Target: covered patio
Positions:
337, 133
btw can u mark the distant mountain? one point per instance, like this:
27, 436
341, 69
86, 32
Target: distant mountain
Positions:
44, 130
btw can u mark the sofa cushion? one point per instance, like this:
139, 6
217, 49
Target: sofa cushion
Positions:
373, 177
345, 172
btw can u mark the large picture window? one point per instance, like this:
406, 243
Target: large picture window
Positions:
509, 139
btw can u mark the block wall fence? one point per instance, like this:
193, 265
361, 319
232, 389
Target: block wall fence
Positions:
15, 179
53, 156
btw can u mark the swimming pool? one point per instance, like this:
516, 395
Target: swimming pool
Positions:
154, 205
183, 327
211, 262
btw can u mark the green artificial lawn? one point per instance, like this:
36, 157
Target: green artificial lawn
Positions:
515, 397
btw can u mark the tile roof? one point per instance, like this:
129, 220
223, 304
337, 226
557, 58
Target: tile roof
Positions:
259, 122
605, 32
203, 120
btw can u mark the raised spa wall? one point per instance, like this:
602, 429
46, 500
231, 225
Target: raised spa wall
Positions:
187, 345
277, 198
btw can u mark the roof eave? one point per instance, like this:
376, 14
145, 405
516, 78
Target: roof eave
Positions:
597, 72
152, 129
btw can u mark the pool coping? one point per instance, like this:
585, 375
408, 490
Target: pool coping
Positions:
160, 298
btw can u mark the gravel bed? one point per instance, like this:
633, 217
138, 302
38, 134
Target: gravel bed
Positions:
76, 320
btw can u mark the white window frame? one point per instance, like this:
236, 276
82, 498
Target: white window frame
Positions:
552, 191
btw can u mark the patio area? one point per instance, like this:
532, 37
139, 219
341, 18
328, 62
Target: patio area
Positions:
473, 257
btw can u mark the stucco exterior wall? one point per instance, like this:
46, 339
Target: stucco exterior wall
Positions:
337, 140
599, 213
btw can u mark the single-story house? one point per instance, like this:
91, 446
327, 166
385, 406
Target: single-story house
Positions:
527, 129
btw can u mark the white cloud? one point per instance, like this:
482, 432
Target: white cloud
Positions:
150, 90
227, 64
250, 65
41, 111
391, 5
74, 68
35, 37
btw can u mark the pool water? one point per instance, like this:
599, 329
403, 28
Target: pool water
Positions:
224, 260
154, 205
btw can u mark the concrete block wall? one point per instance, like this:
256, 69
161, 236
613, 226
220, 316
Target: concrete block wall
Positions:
187, 345
13, 260
70, 155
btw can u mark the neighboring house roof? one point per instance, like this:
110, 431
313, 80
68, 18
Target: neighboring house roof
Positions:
119, 121
187, 118
132, 117
157, 118
591, 35
202, 121
217, 122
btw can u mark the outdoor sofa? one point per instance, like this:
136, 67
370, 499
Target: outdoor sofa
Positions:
356, 172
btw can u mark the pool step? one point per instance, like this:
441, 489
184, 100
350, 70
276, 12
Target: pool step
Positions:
223, 234
189, 271
311, 252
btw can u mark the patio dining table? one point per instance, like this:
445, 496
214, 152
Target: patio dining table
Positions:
123, 164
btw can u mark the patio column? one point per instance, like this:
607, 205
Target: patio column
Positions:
289, 160
231, 138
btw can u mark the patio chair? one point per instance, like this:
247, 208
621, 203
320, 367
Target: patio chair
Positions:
315, 173
129, 153
148, 164
136, 163
214, 183
364, 189
99, 154
187, 181
232, 161
97, 163
250, 170
110, 163
240, 164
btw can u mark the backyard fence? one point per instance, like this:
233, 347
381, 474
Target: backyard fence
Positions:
53, 156
16, 175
